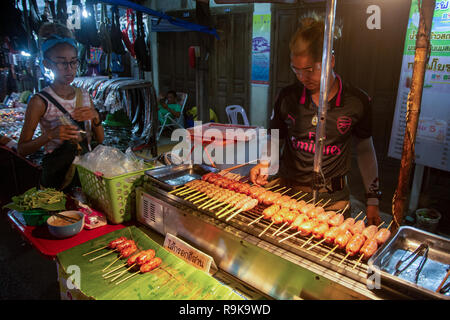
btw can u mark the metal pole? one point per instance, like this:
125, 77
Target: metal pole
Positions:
318, 181
426, 9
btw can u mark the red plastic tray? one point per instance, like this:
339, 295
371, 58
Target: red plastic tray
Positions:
194, 132
49, 246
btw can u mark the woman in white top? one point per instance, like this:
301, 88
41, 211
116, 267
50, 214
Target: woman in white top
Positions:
60, 139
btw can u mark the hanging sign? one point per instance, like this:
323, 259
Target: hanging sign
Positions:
261, 49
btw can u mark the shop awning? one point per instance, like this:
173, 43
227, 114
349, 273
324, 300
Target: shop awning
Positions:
181, 24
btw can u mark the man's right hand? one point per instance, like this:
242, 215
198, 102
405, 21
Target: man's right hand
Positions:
259, 174
64, 133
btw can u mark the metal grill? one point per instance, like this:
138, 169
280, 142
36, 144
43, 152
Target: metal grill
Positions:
295, 244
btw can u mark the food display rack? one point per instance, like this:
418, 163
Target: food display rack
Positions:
281, 270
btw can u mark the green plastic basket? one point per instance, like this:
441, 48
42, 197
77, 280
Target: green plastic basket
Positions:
115, 197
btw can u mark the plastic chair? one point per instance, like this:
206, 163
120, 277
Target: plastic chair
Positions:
169, 121
232, 114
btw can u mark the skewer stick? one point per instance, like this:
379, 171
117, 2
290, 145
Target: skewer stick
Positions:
256, 220
221, 203
178, 189
296, 194
201, 199
192, 195
114, 269
390, 224
108, 275
289, 236
210, 201
102, 255
312, 199
316, 244
380, 224
228, 212
267, 228
325, 204
346, 207
278, 190
225, 208
299, 198
208, 204
279, 234
124, 279
189, 190
234, 214
121, 273
346, 256
359, 260
307, 241
329, 252
87, 253
109, 265
318, 202
278, 230
272, 187
358, 215
285, 191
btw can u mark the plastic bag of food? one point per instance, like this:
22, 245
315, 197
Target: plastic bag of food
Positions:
110, 161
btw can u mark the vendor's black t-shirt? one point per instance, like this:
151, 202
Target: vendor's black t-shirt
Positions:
349, 113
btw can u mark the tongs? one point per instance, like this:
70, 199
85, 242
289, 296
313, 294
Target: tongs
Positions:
421, 250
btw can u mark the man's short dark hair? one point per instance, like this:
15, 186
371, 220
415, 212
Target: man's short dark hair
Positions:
174, 93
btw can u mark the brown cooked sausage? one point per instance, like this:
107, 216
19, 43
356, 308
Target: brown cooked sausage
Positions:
320, 229
307, 227
369, 248
146, 257
125, 253
358, 227
370, 231
342, 239
382, 235
336, 221
355, 244
114, 243
331, 235
151, 265
270, 211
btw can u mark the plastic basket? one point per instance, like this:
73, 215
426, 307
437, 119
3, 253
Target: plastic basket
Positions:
35, 217
115, 197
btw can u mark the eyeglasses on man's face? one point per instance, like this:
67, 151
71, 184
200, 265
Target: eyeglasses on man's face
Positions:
307, 71
65, 64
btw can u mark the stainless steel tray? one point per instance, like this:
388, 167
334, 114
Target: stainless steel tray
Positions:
383, 263
171, 177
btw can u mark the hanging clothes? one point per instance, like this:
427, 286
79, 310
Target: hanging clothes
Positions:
116, 34
125, 36
140, 46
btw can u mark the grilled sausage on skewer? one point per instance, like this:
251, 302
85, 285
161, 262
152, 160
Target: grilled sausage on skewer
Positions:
370, 231
331, 234
358, 227
355, 244
369, 248
382, 236
342, 239
320, 229
114, 243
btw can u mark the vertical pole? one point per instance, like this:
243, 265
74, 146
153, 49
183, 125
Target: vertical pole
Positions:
323, 99
416, 188
426, 9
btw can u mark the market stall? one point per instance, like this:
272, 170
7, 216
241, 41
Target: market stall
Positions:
151, 229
